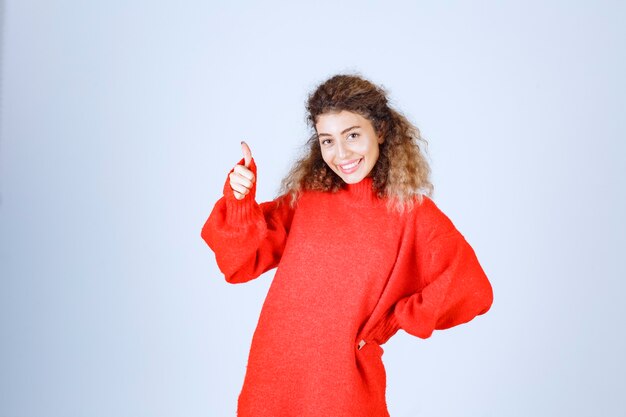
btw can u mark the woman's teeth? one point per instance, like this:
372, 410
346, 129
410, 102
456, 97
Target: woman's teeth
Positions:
350, 165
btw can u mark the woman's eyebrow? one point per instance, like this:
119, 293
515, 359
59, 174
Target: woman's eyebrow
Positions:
342, 132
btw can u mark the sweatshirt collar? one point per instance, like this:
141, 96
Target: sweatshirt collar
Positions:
362, 190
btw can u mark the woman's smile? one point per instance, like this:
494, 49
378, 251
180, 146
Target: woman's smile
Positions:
350, 167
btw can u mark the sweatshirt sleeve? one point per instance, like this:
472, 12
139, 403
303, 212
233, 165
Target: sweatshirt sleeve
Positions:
247, 238
451, 287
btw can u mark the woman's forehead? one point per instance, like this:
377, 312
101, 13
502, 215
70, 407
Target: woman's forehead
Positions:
340, 120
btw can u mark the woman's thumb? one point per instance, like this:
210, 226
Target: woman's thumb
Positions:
247, 154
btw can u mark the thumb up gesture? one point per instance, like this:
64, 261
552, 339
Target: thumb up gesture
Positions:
241, 178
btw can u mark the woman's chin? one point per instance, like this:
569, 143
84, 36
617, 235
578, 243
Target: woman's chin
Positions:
352, 178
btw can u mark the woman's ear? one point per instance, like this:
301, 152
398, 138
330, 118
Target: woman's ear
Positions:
381, 135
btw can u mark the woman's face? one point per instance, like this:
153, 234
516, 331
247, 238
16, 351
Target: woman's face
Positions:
349, 144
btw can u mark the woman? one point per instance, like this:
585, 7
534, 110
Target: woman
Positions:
361, 252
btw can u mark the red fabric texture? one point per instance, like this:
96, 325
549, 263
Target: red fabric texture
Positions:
349, 269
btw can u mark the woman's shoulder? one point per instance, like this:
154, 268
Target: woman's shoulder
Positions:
427, 216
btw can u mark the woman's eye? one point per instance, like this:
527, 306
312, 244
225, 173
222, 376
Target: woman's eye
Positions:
353, 135
326, 141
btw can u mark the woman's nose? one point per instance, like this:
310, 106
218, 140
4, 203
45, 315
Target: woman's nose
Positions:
342, 150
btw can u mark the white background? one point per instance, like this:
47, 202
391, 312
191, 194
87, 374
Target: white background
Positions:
120, 120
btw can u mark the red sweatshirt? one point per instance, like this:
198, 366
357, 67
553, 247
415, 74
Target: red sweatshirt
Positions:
350, 274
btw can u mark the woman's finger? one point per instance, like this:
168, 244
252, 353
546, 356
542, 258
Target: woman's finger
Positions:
239, 188
238, 179
244, 172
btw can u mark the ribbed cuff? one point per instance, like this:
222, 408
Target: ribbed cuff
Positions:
387, 327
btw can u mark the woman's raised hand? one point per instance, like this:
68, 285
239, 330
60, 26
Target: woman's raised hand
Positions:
242, 179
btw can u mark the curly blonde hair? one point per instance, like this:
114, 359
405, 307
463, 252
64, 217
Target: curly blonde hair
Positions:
401, 173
